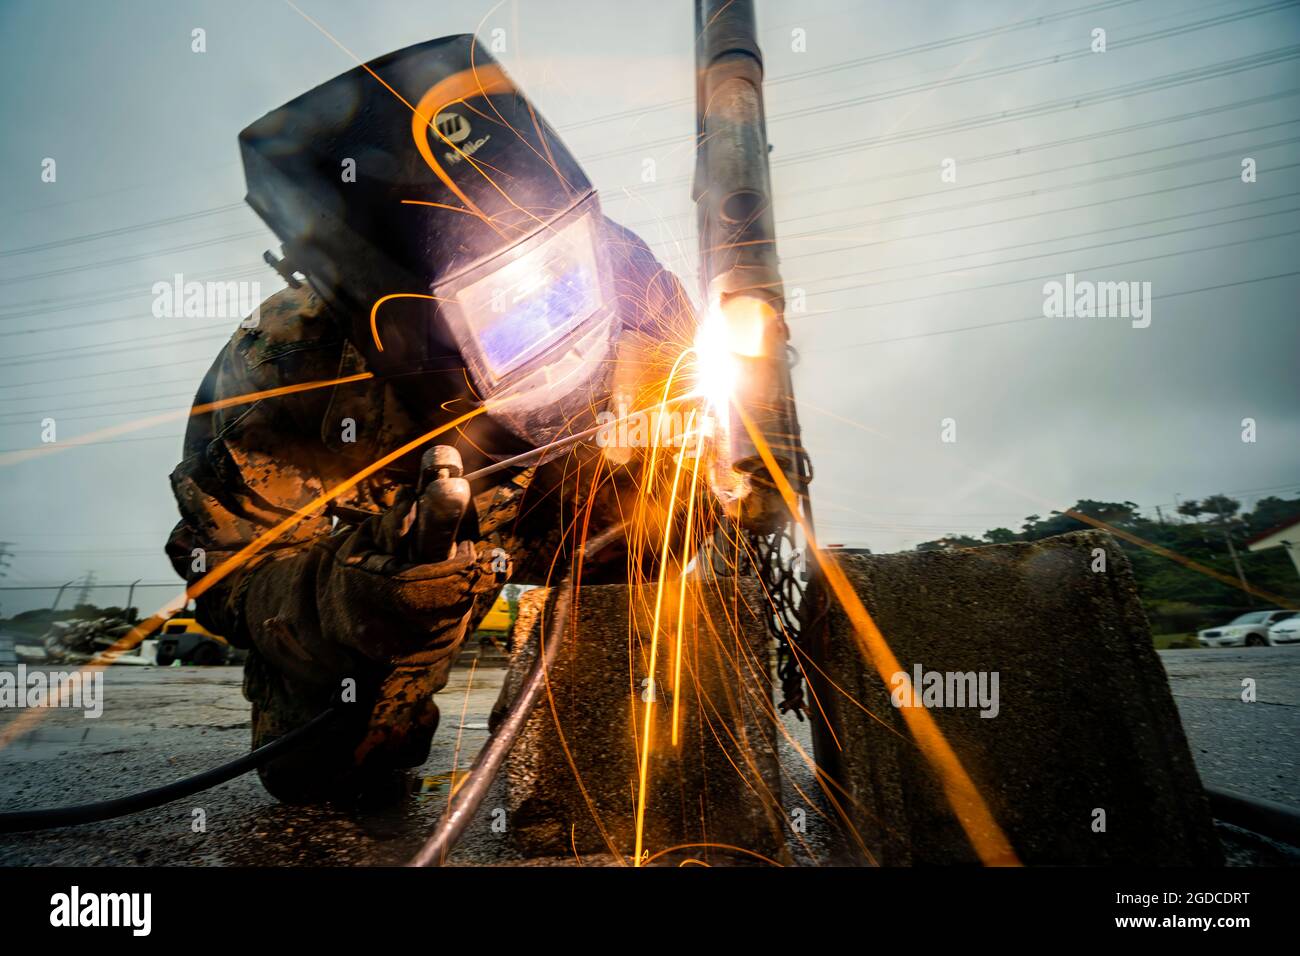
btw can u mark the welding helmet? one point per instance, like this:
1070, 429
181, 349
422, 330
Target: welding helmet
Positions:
425, 199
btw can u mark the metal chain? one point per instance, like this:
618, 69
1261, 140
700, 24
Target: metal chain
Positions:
779, 563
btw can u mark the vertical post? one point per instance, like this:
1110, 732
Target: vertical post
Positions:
59, 594
743, 291
1232, 550
738, 259
130, 593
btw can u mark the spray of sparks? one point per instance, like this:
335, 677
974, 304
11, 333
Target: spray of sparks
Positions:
673, 529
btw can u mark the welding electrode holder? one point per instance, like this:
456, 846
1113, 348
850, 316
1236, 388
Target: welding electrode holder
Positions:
444, 497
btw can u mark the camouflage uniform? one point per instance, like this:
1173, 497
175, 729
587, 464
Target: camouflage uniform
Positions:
327, 601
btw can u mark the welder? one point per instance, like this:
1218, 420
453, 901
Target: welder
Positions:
445, 254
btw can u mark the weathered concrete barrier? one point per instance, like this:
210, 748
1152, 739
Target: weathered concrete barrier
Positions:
1036, 662
572, 777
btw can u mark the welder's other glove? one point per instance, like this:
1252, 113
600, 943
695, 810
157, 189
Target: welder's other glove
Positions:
365, 604
364, 592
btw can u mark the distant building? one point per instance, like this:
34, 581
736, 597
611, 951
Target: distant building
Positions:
1285, 535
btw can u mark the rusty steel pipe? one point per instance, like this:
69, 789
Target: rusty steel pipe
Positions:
739, 265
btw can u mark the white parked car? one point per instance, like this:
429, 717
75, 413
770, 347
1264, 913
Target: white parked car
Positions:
1248, 630
1285, 631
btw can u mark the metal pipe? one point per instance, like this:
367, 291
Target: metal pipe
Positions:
738, 260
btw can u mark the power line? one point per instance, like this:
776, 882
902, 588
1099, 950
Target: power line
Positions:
1048, 107
150, 383
1063, 187
995, 285
83, 552
1020, 151
58, 354
135, 413
882, 57
1043, 255
120, 230
110, 441
855, 287
964, 255
123, 293
1213, 70
113, 372
257, 269
121, 260
966, 162
178, 585
1036, 110
1033, 318
1217, 180
189, 393
947, 81
997, 199
201, 213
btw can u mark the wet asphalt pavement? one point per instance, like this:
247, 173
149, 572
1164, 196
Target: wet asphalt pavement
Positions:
161, 724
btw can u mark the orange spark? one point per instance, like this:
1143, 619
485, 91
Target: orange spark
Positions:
984, 833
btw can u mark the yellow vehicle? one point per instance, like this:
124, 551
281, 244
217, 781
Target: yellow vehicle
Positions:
186, 640
498, 617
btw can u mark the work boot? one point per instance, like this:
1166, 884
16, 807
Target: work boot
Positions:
327, 767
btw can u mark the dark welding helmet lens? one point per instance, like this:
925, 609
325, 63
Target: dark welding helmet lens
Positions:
527, 301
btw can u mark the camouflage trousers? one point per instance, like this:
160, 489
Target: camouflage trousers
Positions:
385, 728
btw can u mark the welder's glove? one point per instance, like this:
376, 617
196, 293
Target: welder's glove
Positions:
363, 592
362, 605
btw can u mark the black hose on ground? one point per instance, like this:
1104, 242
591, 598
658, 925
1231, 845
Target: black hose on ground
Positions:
22, 821
467, 800
1274, 820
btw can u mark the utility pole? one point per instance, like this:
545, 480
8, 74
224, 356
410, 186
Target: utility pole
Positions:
130, 593
1232, 550
744, 293
59, 594
5, 556
739, 266
87, 583
1160, 516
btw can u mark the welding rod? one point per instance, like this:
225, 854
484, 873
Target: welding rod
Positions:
561, 443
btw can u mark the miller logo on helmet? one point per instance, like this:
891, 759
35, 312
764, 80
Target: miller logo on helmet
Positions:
452, 126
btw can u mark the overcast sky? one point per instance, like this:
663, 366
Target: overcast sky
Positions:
920, 295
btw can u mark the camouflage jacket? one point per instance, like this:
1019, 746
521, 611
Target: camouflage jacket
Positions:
250, 465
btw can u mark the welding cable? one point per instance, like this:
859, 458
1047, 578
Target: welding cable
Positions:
466, 801
1277, 821
22, 821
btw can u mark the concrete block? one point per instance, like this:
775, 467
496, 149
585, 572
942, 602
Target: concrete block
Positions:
719, 785
1084, 718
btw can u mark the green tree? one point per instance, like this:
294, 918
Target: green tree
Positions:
1270, 512
950, 543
